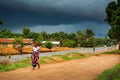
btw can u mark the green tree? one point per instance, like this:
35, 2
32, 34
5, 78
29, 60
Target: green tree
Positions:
71, 36
59, 36
48, 45
112, 6
26, 32
34, 35
39, 39
113, 18
79, 37
6, 34
89, 34
99, 41
18, 42
88, 43
69, 43
55, 36
45, 35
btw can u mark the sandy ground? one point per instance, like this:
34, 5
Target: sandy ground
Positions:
80, 69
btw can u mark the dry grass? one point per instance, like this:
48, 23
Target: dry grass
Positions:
49, 60
26, 49
5, 62
57, 58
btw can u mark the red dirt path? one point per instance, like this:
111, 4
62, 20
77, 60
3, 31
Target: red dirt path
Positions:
81, 69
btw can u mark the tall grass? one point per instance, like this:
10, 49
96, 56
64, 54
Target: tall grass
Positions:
110, 74
11, 66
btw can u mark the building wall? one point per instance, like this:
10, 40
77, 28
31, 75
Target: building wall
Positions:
10, 45
4, 45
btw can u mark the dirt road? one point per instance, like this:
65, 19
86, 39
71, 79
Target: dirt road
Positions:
81, 69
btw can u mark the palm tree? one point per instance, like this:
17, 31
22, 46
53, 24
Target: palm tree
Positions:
26, 32
79, 37
40, 39
18, 43
45, 35
89, 34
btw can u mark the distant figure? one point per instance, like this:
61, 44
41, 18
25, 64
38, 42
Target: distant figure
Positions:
93, 48
105, 47
35, 56
20, 49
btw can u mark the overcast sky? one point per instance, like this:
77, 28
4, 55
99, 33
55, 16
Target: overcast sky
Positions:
54, 15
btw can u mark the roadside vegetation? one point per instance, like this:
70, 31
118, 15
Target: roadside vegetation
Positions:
113, 19
113, 73
6, 65
110, 74
112, 52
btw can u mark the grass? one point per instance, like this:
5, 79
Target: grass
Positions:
71, 56
111, 74
112, 52
12, 66
6, 65
42, 61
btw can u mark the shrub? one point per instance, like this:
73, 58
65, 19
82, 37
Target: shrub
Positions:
86, 43
69, 43
48, 45
110, 74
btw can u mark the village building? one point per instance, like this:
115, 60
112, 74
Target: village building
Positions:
55, 43
8, 42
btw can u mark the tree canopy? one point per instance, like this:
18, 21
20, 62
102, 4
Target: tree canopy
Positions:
79, 39
89, 34
26, 32
113, 18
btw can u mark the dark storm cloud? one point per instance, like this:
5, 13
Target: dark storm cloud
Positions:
54, 15
81, 9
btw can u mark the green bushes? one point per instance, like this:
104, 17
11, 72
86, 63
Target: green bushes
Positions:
111, 74
69, 43
85, 43
48, 45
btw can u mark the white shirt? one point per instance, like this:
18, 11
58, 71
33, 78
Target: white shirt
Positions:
36, 49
